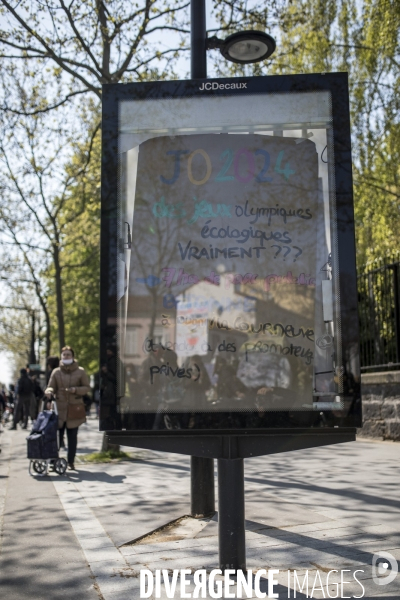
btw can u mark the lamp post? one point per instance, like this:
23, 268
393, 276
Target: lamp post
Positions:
202, 488
242, 47
198, 39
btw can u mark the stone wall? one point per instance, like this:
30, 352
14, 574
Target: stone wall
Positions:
381, 405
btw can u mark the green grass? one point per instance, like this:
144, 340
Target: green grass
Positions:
105, 457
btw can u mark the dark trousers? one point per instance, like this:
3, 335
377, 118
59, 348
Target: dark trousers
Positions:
18, 412
72, 437
21, 411
27, 406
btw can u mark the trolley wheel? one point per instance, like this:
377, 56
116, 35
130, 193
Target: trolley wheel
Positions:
39, 466
60, 466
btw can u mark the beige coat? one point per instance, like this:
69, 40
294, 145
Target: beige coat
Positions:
68, 376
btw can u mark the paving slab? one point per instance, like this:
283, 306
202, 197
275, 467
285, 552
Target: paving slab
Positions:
320, 509
317, 507
125, 524
40, 556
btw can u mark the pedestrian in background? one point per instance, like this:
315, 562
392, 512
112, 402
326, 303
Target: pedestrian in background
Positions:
3, 400
69, 383
36, 397
87, 401
52, 362
24, 399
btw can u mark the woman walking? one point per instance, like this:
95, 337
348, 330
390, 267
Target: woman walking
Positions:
69, 383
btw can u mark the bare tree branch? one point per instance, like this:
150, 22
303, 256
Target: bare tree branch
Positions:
50, 51
79, 37
47, 109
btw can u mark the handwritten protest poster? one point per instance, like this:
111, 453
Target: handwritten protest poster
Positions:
222, 272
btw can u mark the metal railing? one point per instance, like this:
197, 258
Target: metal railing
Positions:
379, 314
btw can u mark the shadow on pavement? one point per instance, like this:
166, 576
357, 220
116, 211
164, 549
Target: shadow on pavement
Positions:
163, 464
82, 475
77, 476
366, 498
301, 540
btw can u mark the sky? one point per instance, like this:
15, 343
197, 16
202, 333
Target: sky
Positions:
5, 369
6, 366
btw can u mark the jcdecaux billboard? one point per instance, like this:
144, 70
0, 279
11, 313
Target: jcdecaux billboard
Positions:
228, 265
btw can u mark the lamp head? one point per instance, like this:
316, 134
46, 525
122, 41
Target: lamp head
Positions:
246, 47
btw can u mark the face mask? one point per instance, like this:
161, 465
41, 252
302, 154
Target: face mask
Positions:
68, 361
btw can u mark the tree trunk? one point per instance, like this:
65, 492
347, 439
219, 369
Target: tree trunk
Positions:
32, 354
59, 296
46, 318
48, 338
106, 446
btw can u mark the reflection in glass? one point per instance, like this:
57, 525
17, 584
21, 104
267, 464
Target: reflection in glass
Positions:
226, 291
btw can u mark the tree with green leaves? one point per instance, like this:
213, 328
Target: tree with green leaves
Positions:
80, 253
37, 180
362, 38
56, 56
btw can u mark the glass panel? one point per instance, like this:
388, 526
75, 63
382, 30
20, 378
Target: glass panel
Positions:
227, 274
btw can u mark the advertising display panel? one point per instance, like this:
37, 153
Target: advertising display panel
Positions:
228, 287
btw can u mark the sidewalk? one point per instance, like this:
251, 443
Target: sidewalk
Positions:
76, 536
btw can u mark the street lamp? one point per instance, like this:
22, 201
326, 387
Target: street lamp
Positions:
242, 47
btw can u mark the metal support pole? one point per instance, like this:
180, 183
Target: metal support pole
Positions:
231, 528
202, 486
198, 38
202, 493
396, 309
202, 469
